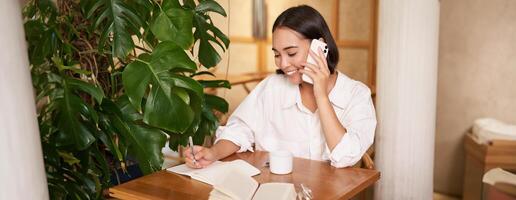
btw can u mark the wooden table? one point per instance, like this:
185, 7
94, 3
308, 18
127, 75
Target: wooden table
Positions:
326, 182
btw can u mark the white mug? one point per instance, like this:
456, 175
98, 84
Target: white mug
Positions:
280, 162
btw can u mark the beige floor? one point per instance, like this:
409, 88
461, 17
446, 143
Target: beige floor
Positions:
439, 196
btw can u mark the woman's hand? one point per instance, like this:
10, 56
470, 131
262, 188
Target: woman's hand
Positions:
203, 156
319, 73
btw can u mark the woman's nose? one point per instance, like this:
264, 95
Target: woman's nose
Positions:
284, 62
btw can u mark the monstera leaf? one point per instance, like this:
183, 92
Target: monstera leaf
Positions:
167, 104
73, 130
208, 56
117, 20
174, 24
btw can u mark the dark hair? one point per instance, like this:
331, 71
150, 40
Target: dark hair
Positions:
310, 23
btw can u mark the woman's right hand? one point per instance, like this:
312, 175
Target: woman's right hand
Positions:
203, 156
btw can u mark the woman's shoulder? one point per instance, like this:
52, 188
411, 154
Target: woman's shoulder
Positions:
272, 83
350, 85
275, 79
272, 88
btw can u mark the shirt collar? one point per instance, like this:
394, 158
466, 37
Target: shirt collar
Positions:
337, 96
291, 95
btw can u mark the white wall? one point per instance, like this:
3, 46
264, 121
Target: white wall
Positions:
22, 175
477, 78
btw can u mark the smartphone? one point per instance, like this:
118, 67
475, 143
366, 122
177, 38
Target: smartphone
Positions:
314, 46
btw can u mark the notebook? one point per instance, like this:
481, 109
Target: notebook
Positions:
238, 186
217, 171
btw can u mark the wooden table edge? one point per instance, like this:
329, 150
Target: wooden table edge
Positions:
363, 186
119, 194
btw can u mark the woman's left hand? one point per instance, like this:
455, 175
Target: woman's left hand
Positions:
319, 73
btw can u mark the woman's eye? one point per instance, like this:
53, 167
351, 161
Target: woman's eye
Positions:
291, 54
276, 56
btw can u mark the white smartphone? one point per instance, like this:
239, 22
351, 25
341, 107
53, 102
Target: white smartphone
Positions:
314, 46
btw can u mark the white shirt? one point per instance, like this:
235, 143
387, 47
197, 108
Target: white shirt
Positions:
273, 117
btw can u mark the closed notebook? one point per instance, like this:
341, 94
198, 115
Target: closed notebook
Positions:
213, 174
238, 186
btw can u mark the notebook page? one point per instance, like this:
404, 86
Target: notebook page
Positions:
279, 191
185, 170
216, 172
217, 195
237, 185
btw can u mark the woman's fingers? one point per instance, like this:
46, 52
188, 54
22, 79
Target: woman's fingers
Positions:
310, 72
189, 162
316, 57
200, 154
311, 68
320, 59
324, 62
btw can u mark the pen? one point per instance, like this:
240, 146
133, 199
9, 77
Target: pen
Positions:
190, 141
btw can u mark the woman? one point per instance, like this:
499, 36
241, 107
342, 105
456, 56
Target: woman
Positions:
333, 119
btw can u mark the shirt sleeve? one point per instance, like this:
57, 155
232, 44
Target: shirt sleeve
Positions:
237, 132
360, 123
245, 120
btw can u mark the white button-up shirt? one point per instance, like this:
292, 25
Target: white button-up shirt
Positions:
273, 117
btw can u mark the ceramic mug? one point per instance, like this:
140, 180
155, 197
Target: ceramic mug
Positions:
280, 162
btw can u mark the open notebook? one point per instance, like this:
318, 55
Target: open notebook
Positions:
238, 186
217, 171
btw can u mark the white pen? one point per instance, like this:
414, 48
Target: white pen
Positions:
190, 141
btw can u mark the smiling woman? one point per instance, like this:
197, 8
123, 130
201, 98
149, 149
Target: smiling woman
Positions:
332, 119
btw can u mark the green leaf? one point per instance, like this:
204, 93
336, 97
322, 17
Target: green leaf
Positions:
145, 143
164, 108
71, 130
167, 111
167, 4
149, 141
89, 88
217, 103
186, 83
139, 74
208, 56
127, 109
42, 41
69, 158
189, 4
210, 5
89, 112
116, 18
174, 24
223, 37
136, 77
168, 55
202, 73
215, 84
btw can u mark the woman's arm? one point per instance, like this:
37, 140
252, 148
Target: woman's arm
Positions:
332, 128
224, 148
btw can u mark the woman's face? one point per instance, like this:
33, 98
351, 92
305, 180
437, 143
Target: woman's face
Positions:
290, 50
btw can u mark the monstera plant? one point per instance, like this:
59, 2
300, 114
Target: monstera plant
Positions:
114, 79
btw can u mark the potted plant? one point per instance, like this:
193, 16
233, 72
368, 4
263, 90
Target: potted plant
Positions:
114, 79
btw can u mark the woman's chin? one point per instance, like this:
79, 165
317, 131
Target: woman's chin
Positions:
295, 79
